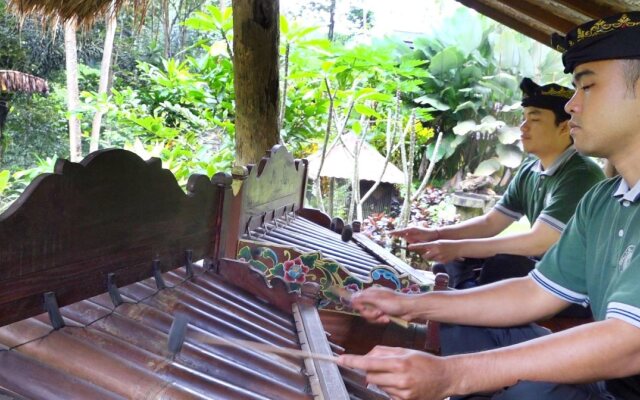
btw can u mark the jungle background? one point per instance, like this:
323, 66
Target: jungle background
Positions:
439, 104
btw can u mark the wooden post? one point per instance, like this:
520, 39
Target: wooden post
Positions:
256, 37
332, 181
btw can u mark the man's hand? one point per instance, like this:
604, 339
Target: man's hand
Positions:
442, 251
403, 373
414, 234
377, 304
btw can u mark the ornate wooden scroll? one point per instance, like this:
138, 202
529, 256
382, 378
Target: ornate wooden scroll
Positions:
294, 268
110, 213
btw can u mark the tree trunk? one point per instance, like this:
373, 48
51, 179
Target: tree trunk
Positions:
432, 164
256, 35
332, 19
73, 96
407, 167
166, 27
105, 69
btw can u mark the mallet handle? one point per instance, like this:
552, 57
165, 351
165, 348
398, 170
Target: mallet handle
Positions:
346, 295
268, 348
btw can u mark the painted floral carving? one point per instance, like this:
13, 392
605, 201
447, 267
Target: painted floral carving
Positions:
295, 270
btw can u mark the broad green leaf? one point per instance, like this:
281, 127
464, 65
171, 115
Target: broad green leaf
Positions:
467, 105
464, 127
4, 180
490, 125
471, 73
366, 110
508, 134
357, 127
487, 167
446, 60
433, 102
447, 147
284, 25
507, 80
509, 155
463, 30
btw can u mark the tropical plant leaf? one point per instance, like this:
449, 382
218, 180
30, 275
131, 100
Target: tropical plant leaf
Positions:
508, 134
487, 167
366, 110
509, 155
433, 102
446, 60
466, 105
4, 180
464, 127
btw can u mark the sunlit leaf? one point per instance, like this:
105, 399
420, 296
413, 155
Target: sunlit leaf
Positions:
446, 60
509, 134
509, 155
487, 167
464, 127
433, 102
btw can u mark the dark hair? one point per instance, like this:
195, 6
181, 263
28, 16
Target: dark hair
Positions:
561, 116
631, 69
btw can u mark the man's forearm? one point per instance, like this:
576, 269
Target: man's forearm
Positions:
488, 247
532, 243
592, 352
477, 227
501, 304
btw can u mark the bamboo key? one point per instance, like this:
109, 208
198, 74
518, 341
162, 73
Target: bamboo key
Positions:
179, 328
346, 295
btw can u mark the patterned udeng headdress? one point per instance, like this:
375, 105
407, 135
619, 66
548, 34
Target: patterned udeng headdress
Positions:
614, 37
552, 97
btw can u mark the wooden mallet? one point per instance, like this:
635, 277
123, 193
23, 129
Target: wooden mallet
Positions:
346, 295
178, 331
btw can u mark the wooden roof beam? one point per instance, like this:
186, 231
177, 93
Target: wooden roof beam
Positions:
594, 9
539, 14
534, 33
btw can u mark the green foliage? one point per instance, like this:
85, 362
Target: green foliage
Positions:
475, 66
4, 181
14, 184
461, 81
36, 126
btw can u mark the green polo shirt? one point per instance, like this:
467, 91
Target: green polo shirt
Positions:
596, 262
550, 195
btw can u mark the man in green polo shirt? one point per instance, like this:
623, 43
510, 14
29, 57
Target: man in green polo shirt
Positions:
596, 262
546, 189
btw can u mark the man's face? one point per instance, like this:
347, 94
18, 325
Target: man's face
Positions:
605, 113
539, 132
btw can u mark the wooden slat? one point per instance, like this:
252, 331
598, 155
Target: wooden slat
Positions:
331, 383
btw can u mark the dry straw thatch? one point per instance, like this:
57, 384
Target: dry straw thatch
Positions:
82, 11
339, 162
15, 81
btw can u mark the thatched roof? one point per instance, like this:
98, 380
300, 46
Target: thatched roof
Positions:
83, 11
339, 162
15, 81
